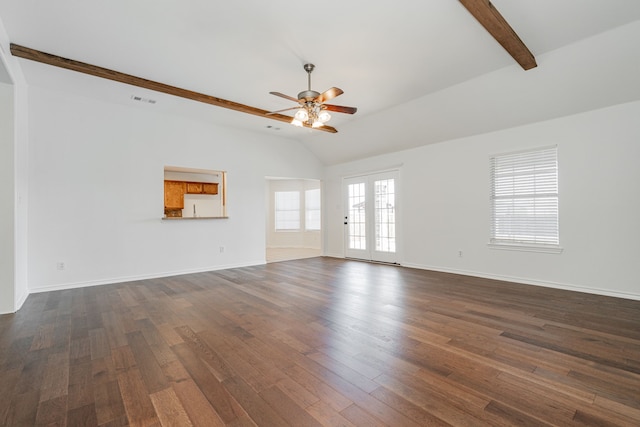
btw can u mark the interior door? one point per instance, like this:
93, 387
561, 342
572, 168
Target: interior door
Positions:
371, 203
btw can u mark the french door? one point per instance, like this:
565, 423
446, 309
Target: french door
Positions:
370, 216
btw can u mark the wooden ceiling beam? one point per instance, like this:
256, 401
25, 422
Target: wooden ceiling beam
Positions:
94, 70
489, 17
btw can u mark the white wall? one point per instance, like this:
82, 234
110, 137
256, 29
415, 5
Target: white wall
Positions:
21, 138
7, 196
445, 205
290, 239
13, 157
96, 191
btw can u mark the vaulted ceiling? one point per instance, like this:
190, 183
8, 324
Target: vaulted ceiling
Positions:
419, 72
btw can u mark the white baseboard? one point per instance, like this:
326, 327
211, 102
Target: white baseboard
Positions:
293, 247
334, 255
17, 303
21, 299
125, 279
525, 281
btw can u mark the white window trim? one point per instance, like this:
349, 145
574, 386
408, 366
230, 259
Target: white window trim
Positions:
550, 249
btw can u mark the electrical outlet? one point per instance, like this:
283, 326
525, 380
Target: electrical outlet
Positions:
60, 265
459, 254
221, 249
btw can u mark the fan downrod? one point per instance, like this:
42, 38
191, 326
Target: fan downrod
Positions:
308, 95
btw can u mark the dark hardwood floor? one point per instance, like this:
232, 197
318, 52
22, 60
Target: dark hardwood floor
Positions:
320, 341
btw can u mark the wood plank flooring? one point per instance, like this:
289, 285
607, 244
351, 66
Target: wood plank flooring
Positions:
320, 342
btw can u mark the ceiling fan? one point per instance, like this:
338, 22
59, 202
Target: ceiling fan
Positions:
312, 110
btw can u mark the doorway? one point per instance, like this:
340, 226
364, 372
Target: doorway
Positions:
293, 219
371, 207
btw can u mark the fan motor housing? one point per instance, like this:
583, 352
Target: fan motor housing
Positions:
308, 95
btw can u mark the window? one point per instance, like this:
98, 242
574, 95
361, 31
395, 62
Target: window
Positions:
312, 209
524, 200
287, 210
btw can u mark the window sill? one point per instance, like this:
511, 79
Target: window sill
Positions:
186, 218
525, 248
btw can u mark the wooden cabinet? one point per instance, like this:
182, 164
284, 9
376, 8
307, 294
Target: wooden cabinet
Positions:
211, 188
174, 194
194, 187
202, 188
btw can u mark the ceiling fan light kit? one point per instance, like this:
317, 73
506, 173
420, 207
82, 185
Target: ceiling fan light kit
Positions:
312, 114
312, 111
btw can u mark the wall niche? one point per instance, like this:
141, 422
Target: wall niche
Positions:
194, 193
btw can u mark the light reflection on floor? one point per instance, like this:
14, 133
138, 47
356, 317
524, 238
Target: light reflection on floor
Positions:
367, 304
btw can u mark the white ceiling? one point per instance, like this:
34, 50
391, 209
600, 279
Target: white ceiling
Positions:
419, 71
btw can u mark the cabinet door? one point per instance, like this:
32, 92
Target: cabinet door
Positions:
210, 188
174, 194
194, 187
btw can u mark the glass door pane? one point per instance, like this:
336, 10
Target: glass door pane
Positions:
385, 217
356, 199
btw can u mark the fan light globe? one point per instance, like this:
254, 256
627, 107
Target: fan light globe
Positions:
302, 115
296, 122
324, 117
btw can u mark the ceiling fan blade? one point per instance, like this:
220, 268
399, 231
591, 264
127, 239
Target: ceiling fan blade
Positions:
340, 109
325, 128
285, 109
329, 94
282, 95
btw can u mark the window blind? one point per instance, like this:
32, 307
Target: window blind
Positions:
524, 198
312, 209
287, 210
